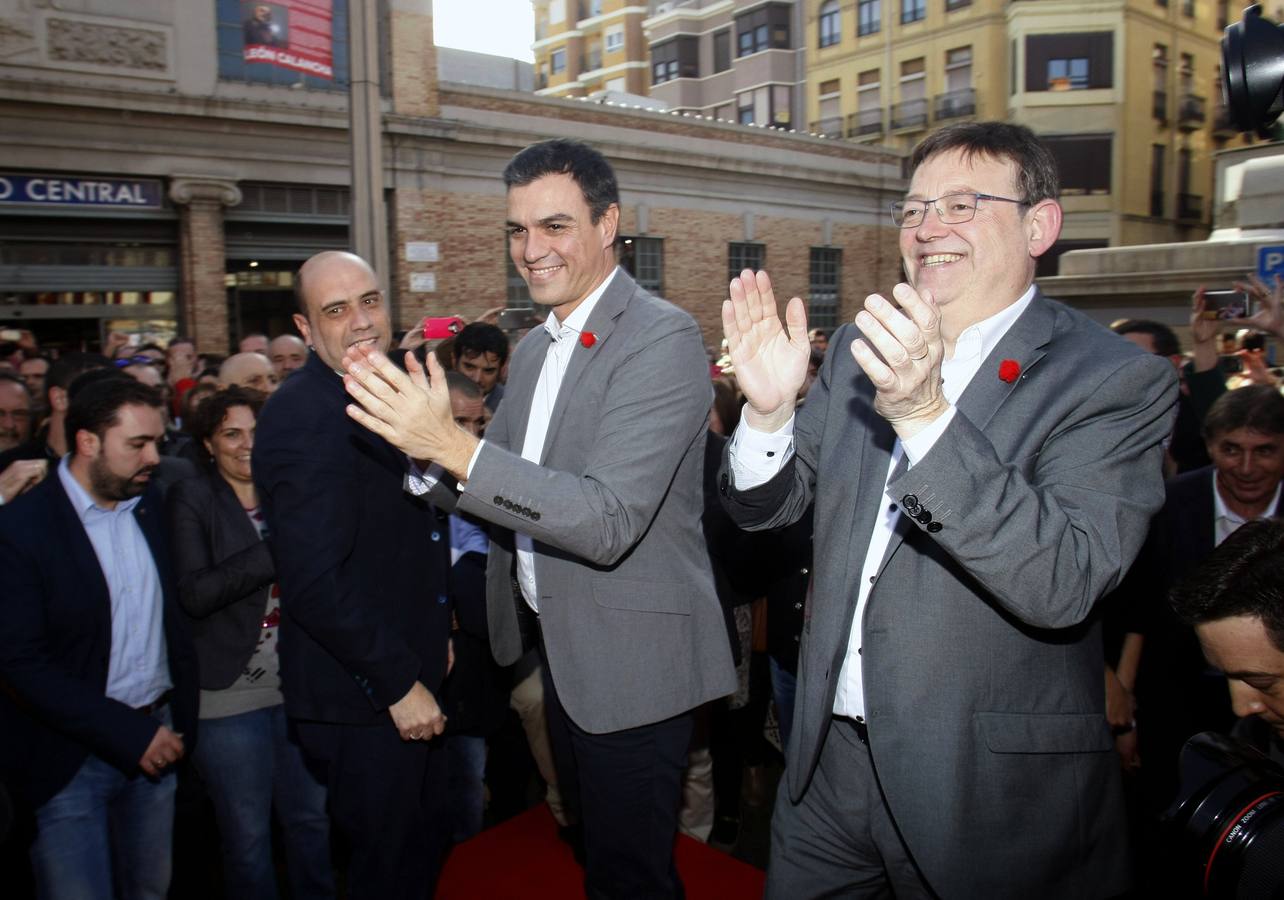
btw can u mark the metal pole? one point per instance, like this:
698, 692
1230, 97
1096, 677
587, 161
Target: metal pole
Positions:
369, 224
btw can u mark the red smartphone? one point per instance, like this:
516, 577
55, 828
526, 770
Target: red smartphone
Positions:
441, 327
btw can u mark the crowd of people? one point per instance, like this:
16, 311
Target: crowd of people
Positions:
926, 559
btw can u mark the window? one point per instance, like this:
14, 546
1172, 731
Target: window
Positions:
1083, 162
1058, 62
770, 105
913, 11
958, 69
1157, 179
911, 111
675, 58
643, 258
869, 103
869, 14
830, 101
1159, 66
1188, 8
1068, 74
1186, 75
822, 301
722, 50
557, 62
595, 8
744, 256
831, 29
766, 28
951, 5
233, 67
556, 12
615, 39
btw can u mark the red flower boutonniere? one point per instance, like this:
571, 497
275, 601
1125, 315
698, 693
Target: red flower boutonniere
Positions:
587, 339
1009, 370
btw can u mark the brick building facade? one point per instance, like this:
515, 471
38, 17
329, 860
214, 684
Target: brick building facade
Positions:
250, 175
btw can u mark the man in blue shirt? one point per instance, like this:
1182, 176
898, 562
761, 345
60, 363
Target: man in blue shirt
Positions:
99, 680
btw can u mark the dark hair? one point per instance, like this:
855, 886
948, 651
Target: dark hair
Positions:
462, 384
211, 413
477, 338
190, 396
68, 366
1165, 340
149, 346
182, 340
95, 403
1257, 407
1036, 169
561, 156
1244, 576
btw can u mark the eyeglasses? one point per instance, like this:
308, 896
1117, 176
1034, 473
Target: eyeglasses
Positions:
952, 209
135, 361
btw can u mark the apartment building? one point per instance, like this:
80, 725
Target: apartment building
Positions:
585, 46
1126, 92
731, 60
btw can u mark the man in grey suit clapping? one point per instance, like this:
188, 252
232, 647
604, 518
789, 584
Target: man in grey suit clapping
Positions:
592, 469
984, 462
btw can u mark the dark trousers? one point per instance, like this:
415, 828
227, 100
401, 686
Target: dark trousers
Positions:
387, 798
626, 787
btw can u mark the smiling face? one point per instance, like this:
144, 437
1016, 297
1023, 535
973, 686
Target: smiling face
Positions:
1249, 466
974, 269
561, 253
1240, 647
344, 307
231, 443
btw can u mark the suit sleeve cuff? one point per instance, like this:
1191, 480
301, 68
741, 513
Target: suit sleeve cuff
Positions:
921, 444
756, 456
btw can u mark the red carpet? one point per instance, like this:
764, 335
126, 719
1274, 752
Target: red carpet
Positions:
523, 859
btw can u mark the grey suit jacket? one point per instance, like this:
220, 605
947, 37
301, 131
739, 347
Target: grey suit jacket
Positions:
983, 671
630, 618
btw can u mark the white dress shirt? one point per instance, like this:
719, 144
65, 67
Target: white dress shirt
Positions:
1226, 521
565, 338
757, 456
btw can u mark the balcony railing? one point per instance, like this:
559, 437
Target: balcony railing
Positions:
910, 114
831, 126
1190, 206
867, 121
1190, 112
955, 104
1159, 105
592, 62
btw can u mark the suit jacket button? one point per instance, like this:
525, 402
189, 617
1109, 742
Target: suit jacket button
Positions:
797, 606
534, 517
934, 527
526, 511
924, 517
508, 504
909, 500
499, 501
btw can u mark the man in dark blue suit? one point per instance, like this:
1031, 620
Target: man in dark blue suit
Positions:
362, 566
99, 679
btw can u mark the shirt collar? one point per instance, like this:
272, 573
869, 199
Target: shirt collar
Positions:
578, 319
1222, 511
80, 499
978, 340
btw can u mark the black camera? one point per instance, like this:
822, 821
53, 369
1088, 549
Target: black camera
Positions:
1226, 826
1253, 72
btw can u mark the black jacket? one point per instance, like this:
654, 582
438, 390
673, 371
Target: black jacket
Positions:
224, 573
361, 562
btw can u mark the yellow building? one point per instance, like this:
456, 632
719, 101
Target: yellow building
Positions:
1126, 92
585, 46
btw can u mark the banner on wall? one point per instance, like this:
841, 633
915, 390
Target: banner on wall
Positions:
291, 34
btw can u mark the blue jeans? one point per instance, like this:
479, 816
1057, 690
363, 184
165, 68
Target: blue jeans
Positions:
251, 764
466, 783
784, 684
105, 828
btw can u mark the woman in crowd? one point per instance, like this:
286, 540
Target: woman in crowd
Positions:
245, 752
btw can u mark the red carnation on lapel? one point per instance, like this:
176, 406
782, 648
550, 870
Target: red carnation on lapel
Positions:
1009, 370
588, 338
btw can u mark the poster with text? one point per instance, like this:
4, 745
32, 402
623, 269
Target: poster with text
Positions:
292, 34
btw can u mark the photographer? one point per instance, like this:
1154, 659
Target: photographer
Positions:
1235, 601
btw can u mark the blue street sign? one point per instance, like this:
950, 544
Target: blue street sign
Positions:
1270, 262
59, 190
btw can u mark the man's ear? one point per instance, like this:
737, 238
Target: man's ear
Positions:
1043, 226
301, 323
87, 444
610, 225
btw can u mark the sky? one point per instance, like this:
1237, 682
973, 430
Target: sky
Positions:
501, 27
